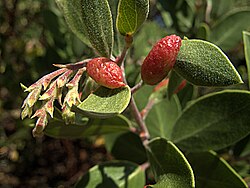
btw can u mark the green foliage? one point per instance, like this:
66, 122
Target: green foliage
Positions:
87, 127
246, 38
120, 174
73, 14
98, 20
139, 124
98, 104
91, 21
226, 36
131, 15
213, 122
161, 118
217, 169
169, 164
150, 33
126, 146
204, 64
174, 81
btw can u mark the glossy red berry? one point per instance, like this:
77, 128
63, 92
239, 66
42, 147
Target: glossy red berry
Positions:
160, 59
105, 72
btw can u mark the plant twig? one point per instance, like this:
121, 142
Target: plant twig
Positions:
208, 11
137, 87
143, 132
147, 108
144, 166
129, 41
73, 66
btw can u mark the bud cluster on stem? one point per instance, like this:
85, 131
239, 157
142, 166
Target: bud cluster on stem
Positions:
55, 82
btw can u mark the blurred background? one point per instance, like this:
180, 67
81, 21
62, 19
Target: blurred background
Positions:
34, 35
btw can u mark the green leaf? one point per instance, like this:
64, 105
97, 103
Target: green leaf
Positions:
98, 20
58, 129
105, 102
126, 146
118, 38
117, 174
72, 11
131, 15
213, 122
226, 36
161, 118
91, 21
221, 7
186, 94
142, 95
246, 150
212, 171
246, 39
167, 162
204, 64
203, 31
174, 82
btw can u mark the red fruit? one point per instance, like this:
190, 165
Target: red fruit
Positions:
105, 72
160, 59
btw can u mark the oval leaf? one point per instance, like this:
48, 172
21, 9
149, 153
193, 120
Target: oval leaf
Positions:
246, 39
91, 21
72, 11
126, 146
213, 122
118, 174
131, 15
168, 163
105, 102
99, 24
226, 36
58, 129
161, 118
212, 171
204, 64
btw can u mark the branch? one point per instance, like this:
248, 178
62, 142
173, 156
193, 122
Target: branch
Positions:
143, 132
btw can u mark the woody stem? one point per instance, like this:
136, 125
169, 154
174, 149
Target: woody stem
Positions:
143, 130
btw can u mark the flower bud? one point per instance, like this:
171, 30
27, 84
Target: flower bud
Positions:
160, 59
105, 72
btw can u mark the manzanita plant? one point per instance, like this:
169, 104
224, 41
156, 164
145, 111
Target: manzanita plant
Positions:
144, 125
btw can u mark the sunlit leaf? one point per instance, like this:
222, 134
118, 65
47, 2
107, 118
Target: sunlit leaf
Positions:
105, 102
169, 164
204, 64
131, 15
161, 118
213, 121
117, 174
